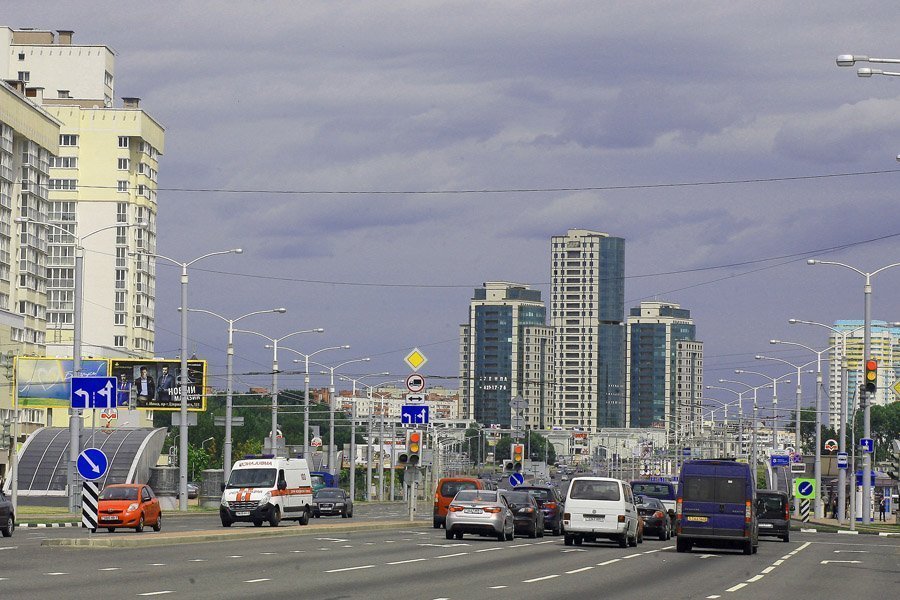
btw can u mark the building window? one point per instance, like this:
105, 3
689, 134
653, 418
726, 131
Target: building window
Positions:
64, 184
122, 209
123, 164
64, 162
122, 185
123, 141
119, 341
24, 76
21, 56
68, 139
108, 79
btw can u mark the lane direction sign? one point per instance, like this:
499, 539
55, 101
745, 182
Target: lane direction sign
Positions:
867, 444
92, 463
805, 489
414, 414
93, 392
516, 479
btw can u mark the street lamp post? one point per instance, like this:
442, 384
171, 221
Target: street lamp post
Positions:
183, 429
754, 449
863, 395
331, 445
353, 428
229, 377
77, 326
274, 346
774, 382
305, 362
740, 402
848, 60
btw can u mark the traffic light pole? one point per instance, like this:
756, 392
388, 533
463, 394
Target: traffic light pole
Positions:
864, 398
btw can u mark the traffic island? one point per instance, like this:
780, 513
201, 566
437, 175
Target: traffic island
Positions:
147, 539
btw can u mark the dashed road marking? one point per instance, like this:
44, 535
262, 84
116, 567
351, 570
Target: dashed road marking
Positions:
351, 569
778, 562
109, 569
55, 573
609, 562
496, 587
755, 578
197, 560
452, 555
488, 549
257, 580
713, 597
581, 570
544, 578
631, 556
768, 570
235, 556
403, 562
736, 587
157, 593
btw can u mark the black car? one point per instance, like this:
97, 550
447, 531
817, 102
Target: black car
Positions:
551, 503
7, 518
332, 501
773, 511
657, 520
529, 519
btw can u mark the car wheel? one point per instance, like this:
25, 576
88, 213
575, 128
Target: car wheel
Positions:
664, 534
140, 526
534, 532
511, 535
448, 534
501, 536
623, 540
344, 514
110, 529
304, 520
579, 540
226, 523
683, 545
274, 516
568, 540
459, 535
158, 525
10, 527
748, 548
257, 523
633, 542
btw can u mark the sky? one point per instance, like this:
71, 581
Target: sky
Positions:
378, 161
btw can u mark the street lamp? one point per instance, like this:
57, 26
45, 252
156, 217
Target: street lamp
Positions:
774, 382
848, 60
863, 395
370, 389
305, 361
77, 319
331, 444
754, 448
740, 402
353, 427
274, 346
229, 377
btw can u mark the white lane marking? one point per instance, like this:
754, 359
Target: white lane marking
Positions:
836, 551
713, 597
736, 587
631, 556
109, 569
668, 548
268, 553
452, 555
572, 550
156, 565
9, 548
852, 562
547, 542
157, 593
298, 551
652, 551
257, 580
496, 587
351, 569
403, 562
236, 556
755, 578
390, 541
609, 562
488, 549
346, 546
579, 570
845, 532
55, 573
197, 560
768, 570
785, 557
540, 578
778, 562
331, 540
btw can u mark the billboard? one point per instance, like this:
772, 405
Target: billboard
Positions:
152, 384
46, 382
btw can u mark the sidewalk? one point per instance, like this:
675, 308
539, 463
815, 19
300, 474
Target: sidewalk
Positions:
889, 527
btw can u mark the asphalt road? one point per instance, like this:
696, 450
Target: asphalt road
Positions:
418, 563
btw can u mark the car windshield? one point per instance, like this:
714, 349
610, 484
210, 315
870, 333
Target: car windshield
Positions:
475, 496
244, 478
647, 502
770, 507
728, 490
663, 491
119, 493
450, 488
329, 494
595, 490
519, 498
541, 493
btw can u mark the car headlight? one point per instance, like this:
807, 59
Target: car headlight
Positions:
338, 503
131, 507
224, 501
265, 499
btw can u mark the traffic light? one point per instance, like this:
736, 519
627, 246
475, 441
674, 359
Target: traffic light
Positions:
5, 434
517, 451
507, 466
894, 468
413, 447
871, 376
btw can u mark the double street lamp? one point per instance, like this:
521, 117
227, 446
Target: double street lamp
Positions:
848, 60
774, 383
754, 447
305, 362
229, 377
356, 380
331, 444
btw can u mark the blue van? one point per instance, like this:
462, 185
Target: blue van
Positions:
716, 506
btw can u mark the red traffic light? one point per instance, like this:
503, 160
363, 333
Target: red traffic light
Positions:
871, 375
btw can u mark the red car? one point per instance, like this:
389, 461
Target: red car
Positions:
130, 505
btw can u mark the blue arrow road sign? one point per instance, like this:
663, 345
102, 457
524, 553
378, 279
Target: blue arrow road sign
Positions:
805, 489
93, 392
92, 463
516, 479
842, 460
780, 460
414, 414
867, 444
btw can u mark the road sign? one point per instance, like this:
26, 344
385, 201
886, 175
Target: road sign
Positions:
516, 479
796, 457
896, 388
414, 414
235, 421
316, 442
415, 359
415, 398
780, 460
93, 392
842, 460
867, 444
92, 463
518, 403
831, 445
415, 383
798, 468
805, 488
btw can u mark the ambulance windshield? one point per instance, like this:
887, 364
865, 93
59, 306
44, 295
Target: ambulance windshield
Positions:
252, 478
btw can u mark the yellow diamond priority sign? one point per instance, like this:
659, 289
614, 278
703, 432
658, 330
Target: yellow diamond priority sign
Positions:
896, 388
415, 359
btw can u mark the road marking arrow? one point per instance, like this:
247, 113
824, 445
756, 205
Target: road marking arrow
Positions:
853, 562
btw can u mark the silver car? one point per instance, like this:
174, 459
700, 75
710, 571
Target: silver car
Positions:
484, 512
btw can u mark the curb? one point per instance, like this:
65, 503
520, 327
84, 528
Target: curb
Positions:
72, 524
168, 539
888, 534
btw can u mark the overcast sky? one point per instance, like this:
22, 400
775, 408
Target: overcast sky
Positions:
627, 98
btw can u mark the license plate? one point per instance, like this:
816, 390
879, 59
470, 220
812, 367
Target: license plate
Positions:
766, 525
111, 518
594, 517
242, 513
698, 519
472, 511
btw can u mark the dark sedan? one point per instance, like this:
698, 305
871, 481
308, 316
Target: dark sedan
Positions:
529, 519
656, 518
332, 501
551, 504
7, 518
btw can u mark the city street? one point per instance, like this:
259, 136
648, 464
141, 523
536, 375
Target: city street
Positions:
418, 562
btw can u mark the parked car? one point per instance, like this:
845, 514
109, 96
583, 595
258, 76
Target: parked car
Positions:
7, 517
129, 505
527, 514
485, 512
448, 487
551, 503
773, 511
655, 516
716, 506
332, 501
600, 508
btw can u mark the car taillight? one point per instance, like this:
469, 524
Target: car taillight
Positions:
550, 505
567, 516
492, 509
748, 512
437, 497
454, 508
658, 514
678, 509
621, 518
787, 511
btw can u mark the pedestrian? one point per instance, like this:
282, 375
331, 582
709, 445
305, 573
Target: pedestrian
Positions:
834, 509
882, 508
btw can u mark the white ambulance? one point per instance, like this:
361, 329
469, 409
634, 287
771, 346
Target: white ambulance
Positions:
265, 488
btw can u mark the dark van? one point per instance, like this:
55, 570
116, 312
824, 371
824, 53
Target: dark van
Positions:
773, 510
716, 506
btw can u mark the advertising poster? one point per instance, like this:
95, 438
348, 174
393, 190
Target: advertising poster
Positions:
150, 384
46, 382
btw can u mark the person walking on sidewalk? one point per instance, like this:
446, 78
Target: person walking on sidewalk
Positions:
882, 508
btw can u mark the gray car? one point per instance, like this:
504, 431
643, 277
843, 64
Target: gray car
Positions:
7, 518
484, 512
332, 501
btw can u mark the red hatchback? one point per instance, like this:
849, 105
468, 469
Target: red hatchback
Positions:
129, 505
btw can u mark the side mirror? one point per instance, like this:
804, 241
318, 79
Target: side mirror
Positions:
223, 487
282, 485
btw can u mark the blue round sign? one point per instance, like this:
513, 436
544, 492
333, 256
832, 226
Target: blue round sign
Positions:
805, 488
516, 479
92, 463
